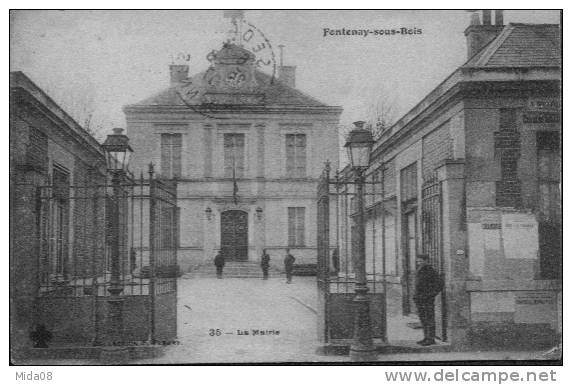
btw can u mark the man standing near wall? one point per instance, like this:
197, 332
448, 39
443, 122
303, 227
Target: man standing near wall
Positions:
427, 285
219, 263
289, 265
265, 264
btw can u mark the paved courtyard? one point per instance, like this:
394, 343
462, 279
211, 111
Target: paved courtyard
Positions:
215, 316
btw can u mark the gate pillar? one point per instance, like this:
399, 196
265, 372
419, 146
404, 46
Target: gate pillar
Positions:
451, 175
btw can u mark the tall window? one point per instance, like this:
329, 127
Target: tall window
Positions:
507, 119
296, 155
296, 226
408, 181
549, 169
549, 208
508, 143
234, 155
171, 155
59, 238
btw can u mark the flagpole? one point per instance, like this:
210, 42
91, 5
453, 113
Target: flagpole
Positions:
234, 184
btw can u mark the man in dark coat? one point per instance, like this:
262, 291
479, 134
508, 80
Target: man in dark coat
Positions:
219, 263
265, 264
427, 285
336, 260
289, 265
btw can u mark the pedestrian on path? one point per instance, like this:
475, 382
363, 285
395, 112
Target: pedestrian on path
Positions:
219, 263
427, 285
265, 264
289, 265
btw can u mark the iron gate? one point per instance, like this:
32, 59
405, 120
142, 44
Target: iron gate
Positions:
432, 245
335, 272
76, 232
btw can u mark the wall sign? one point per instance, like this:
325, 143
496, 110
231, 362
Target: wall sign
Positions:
520, 236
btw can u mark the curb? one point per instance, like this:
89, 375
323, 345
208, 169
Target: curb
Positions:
304, 304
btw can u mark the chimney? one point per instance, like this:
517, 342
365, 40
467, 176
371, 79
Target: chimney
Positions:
179, 72
487, 17
479, 35
287, 75
498, 17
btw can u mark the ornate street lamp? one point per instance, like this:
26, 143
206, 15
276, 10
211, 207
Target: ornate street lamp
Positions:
117, 155
209, 213
359, 144
259, 213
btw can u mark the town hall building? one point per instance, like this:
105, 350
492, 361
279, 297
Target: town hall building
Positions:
246, 148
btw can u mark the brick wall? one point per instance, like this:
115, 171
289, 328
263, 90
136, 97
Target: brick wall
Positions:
437, 146
63, 148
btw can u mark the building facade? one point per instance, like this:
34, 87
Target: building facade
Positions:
49, 153
73, 227
246, 149
472, 177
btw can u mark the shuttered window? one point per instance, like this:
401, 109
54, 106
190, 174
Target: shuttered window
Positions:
549, 171
296, 226
549, 168
296, 155
234, 155
37, 153
408, 181
59, 238
171, 145
507, 119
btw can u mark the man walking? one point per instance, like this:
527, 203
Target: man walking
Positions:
219, 263
427, 285
289, 265
265, 264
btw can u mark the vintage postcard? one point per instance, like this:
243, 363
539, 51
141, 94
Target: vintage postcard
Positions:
286, 186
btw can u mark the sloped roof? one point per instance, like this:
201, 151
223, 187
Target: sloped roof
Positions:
521, 45
275, 93
518, 45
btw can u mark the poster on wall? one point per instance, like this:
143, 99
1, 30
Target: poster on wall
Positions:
520, 236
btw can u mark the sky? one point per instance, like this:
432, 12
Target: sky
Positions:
96, 62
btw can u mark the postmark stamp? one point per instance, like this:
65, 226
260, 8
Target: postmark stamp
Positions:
230, 79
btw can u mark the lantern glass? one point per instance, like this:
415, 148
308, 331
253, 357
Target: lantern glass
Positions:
359, 145
118, 150
359, 154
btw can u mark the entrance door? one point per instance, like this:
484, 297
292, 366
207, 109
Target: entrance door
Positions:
234, 235
409, 256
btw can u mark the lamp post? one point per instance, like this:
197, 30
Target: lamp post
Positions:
358, 144
117, 154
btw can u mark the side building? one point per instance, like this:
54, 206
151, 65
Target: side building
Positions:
472, 177
51, 234
246, 149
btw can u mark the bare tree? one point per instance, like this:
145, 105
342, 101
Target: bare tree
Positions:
380, 114
79, 105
